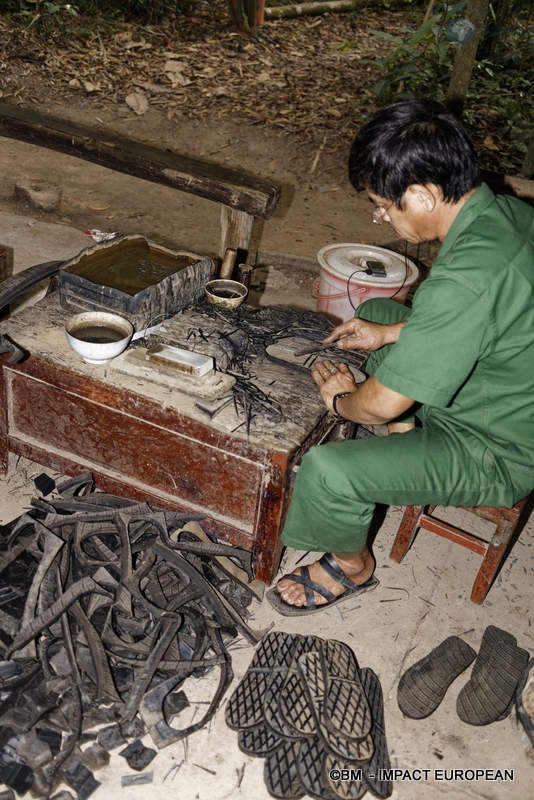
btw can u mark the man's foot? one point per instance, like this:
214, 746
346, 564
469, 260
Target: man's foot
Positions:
357, 567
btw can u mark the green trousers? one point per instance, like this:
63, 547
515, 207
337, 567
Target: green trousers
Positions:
339, 483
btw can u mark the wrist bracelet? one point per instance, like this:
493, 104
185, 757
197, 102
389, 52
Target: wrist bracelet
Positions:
337, 397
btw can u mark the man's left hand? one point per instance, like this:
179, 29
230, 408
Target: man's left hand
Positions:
332, 379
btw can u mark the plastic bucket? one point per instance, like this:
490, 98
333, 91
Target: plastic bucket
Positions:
341, 286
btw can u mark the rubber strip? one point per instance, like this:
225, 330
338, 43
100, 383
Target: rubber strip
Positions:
151, 707
76, 590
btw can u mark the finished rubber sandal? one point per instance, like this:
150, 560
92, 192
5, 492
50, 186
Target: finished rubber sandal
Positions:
423, 686
332, 568
498, 668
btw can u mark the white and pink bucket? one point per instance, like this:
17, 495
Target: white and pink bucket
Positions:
346, 277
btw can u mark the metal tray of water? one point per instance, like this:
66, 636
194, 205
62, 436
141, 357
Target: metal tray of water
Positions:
134, 277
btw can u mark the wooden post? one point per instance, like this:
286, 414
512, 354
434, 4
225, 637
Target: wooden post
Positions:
236, 229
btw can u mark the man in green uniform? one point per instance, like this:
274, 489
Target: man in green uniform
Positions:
454, 374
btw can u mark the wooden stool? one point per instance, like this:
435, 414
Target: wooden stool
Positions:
493, 552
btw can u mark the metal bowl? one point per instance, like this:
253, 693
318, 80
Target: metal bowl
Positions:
226, 293
98, 336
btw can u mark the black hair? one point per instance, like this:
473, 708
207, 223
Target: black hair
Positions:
413, 141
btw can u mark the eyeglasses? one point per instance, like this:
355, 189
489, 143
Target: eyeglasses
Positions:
379, 212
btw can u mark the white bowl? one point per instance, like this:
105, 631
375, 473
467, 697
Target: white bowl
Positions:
98, 336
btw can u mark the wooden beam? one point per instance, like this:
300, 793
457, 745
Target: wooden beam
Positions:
233, 188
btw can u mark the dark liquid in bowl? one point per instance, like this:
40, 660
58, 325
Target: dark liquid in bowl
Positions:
226, 293
98, 334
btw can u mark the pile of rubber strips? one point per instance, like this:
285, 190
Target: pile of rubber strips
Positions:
107, 607
317, 718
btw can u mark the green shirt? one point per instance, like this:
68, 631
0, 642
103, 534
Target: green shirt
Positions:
467, 351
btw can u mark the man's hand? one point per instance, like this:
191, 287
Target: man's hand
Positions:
371, 403
358, 334
332, 379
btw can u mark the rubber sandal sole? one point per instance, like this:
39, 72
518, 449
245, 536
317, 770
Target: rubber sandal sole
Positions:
496, 673
259, 740
244, 708
339, 679
311, 768
379, 764
255, 698
280, 771
340, 708
288, 654
423, 686
351, 789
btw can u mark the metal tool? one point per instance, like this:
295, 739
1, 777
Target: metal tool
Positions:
314, 348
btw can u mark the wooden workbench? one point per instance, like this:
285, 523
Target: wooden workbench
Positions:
143, 437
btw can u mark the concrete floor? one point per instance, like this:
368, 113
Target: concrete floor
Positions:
418, 604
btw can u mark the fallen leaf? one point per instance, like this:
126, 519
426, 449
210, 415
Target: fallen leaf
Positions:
489, 143
138, 102
174, 72
90, 88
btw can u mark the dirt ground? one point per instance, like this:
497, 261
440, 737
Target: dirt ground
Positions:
317, 207
283, 105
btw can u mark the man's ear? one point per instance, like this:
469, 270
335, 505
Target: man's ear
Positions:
426, 195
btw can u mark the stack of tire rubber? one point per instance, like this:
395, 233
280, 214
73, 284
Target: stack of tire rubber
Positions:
317, 718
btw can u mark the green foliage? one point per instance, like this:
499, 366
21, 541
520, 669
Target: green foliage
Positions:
417, 63
500, 93
44, 12
34, 11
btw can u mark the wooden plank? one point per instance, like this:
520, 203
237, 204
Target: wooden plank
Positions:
203, 475
137, 405
117, 485
267, 544
236, 230
231, 187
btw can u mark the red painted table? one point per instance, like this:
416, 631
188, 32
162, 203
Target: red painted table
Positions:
146, 439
